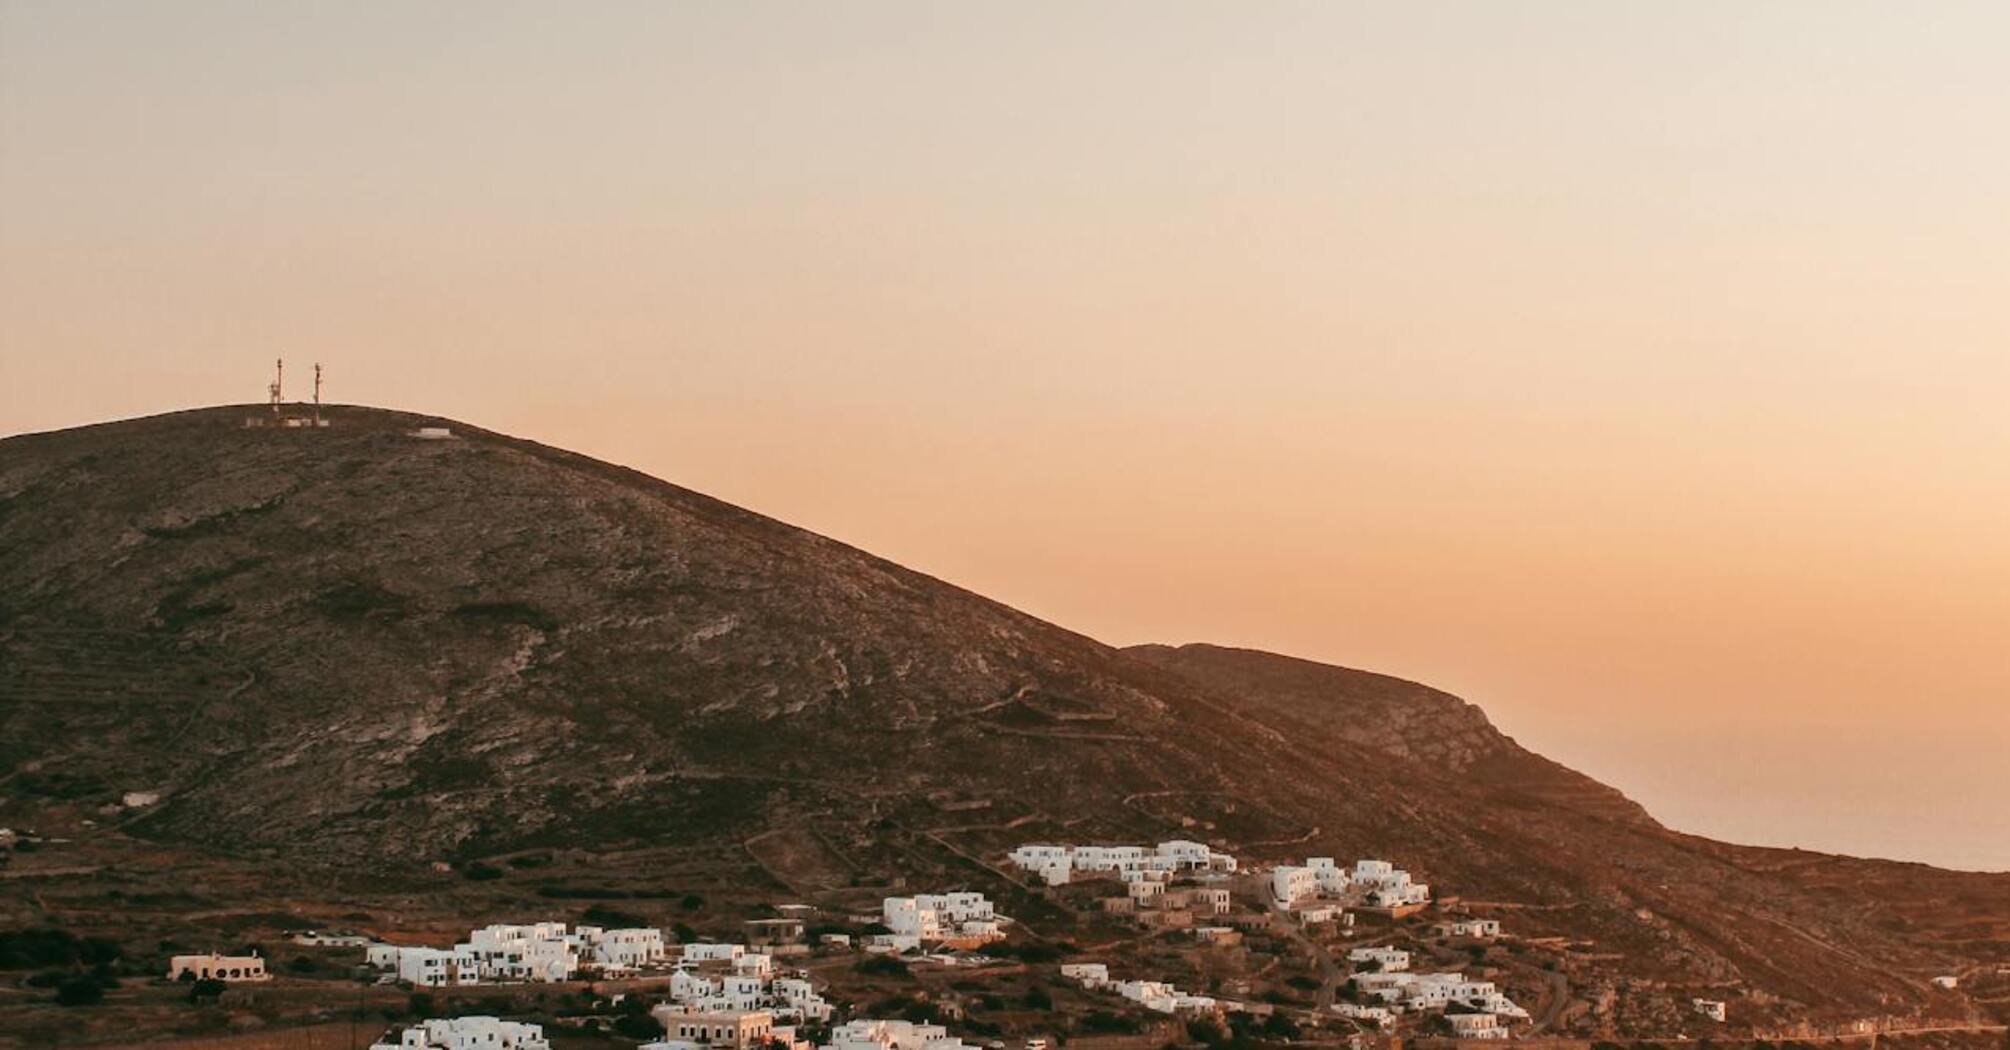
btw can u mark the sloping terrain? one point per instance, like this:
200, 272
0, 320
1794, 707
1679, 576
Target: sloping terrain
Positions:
319, 645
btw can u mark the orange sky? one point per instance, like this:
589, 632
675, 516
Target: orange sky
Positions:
1637, 373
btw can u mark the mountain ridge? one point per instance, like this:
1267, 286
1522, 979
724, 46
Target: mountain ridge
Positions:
323, 644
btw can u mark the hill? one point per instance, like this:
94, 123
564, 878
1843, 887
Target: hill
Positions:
323, 645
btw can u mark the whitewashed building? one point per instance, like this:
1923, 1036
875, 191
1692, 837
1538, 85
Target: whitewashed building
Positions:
213, 967
1386, 886
869, 1034
1292, 883
1089, 975
1477, 1026
934, 917
1057, 864
466, 1033
1390, 960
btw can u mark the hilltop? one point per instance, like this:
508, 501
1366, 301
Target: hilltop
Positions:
319, 646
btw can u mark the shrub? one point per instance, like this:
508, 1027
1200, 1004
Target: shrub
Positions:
601, 915
80, 991
881, 966
638, 1026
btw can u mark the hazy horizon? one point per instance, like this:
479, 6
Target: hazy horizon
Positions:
1635, 374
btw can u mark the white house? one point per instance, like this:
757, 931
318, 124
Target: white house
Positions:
1711, 1008
1948, 982
1375, 1015
1057, 864
720, 1029
1390, 960
1387, 886
629, 949
213, 967
702, 953
1332, 878
932, 917
1089, 975
467, 1033
870, 1034
1477, 1026
1291, 883
1163, 997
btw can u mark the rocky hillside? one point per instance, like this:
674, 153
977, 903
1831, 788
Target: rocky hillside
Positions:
1386, 715
316, 645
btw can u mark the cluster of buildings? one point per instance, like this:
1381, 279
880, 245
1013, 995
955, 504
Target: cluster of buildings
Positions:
466, 1033
1060, 864
1151, 897
756, 1030
1152, 995
1398, 991
1376, 883
716, 979
545, 951
951, 920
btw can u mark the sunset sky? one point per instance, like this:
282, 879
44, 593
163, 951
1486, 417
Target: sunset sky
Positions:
1638, 372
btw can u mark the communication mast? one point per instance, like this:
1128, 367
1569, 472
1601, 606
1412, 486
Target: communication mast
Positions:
278, 378
317, 393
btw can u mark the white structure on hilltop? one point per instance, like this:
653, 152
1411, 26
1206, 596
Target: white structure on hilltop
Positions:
1711, 1008
467, 1033
868, 1034
1481, 929
213, 967
1058, 864
1947, 982
1386, 886
932, 918
545, 951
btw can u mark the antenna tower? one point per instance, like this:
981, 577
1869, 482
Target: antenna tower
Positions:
317, 393
278, 378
